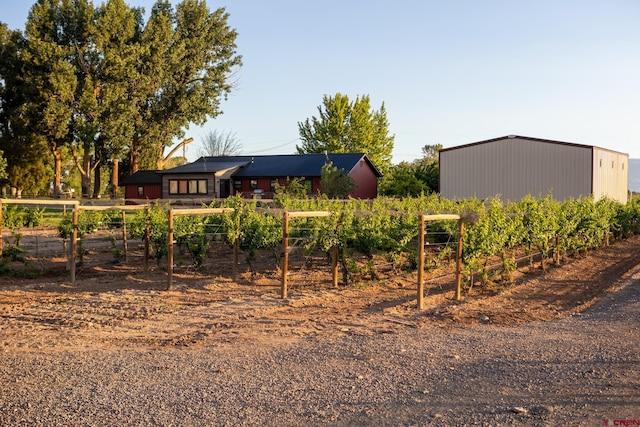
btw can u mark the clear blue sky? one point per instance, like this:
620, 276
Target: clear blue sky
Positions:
448, 72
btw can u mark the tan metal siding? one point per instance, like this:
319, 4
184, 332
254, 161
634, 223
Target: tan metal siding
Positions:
513, 168
610, 175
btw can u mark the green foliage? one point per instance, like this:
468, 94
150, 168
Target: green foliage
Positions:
253, 230
103, 83
88, 222
410, 179
156, 217
293, 188
14, 253
3, 166
14, 216
402, 181
629, 219
348, 127
33, 217
335, 183
386, 227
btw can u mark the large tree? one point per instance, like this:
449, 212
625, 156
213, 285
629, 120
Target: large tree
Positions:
343, 126
105, 85
189, 57
48, 83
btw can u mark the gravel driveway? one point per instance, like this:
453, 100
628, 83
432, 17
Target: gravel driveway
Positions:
581, 370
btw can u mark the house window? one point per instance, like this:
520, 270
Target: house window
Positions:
308, 185
188, 186
274, 184
140, 191
253, 184
237, 184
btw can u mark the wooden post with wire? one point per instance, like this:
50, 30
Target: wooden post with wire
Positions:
285, 254
459, 260
4, 202
147, 233
285, 244
74, 244
334, 265
1, 240
236, 257
421, 242
124, 234
421, 262
188, 211
170, 251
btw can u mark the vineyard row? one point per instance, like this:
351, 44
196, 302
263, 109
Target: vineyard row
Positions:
353, 230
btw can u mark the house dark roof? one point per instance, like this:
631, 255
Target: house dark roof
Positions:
299, 165
142, 177
209, 165
271, 166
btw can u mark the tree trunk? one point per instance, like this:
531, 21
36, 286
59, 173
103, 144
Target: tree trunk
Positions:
114, 178
86, 174
57, 175
134, 158
97, 182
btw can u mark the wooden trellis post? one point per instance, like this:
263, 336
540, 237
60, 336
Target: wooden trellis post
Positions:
1, 240
421, 227
459, 260
421, 262
147, 233
170, 251
334, 265
193, 211
32, 202
285, 246
285, 254
124, 234
74, 244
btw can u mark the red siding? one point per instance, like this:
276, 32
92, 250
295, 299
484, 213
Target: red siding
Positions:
150, 191
365, 180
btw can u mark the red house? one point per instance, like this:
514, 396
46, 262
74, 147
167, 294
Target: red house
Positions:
144, 185
220, 177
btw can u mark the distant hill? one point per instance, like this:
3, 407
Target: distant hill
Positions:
634, 175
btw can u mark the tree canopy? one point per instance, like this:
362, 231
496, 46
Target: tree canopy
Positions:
420, 176
3, 166
335, 183
107, 86
343, 126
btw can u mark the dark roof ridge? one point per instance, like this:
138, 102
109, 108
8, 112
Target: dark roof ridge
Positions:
528, 138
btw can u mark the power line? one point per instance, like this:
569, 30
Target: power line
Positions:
275, 147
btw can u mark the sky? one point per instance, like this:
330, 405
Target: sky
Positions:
447, 72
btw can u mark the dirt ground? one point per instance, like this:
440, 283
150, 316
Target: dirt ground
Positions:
116, 305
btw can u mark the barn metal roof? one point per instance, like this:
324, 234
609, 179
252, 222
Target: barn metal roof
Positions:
526, 138
142, 177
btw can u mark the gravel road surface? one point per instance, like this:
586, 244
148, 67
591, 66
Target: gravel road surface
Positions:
580, 370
